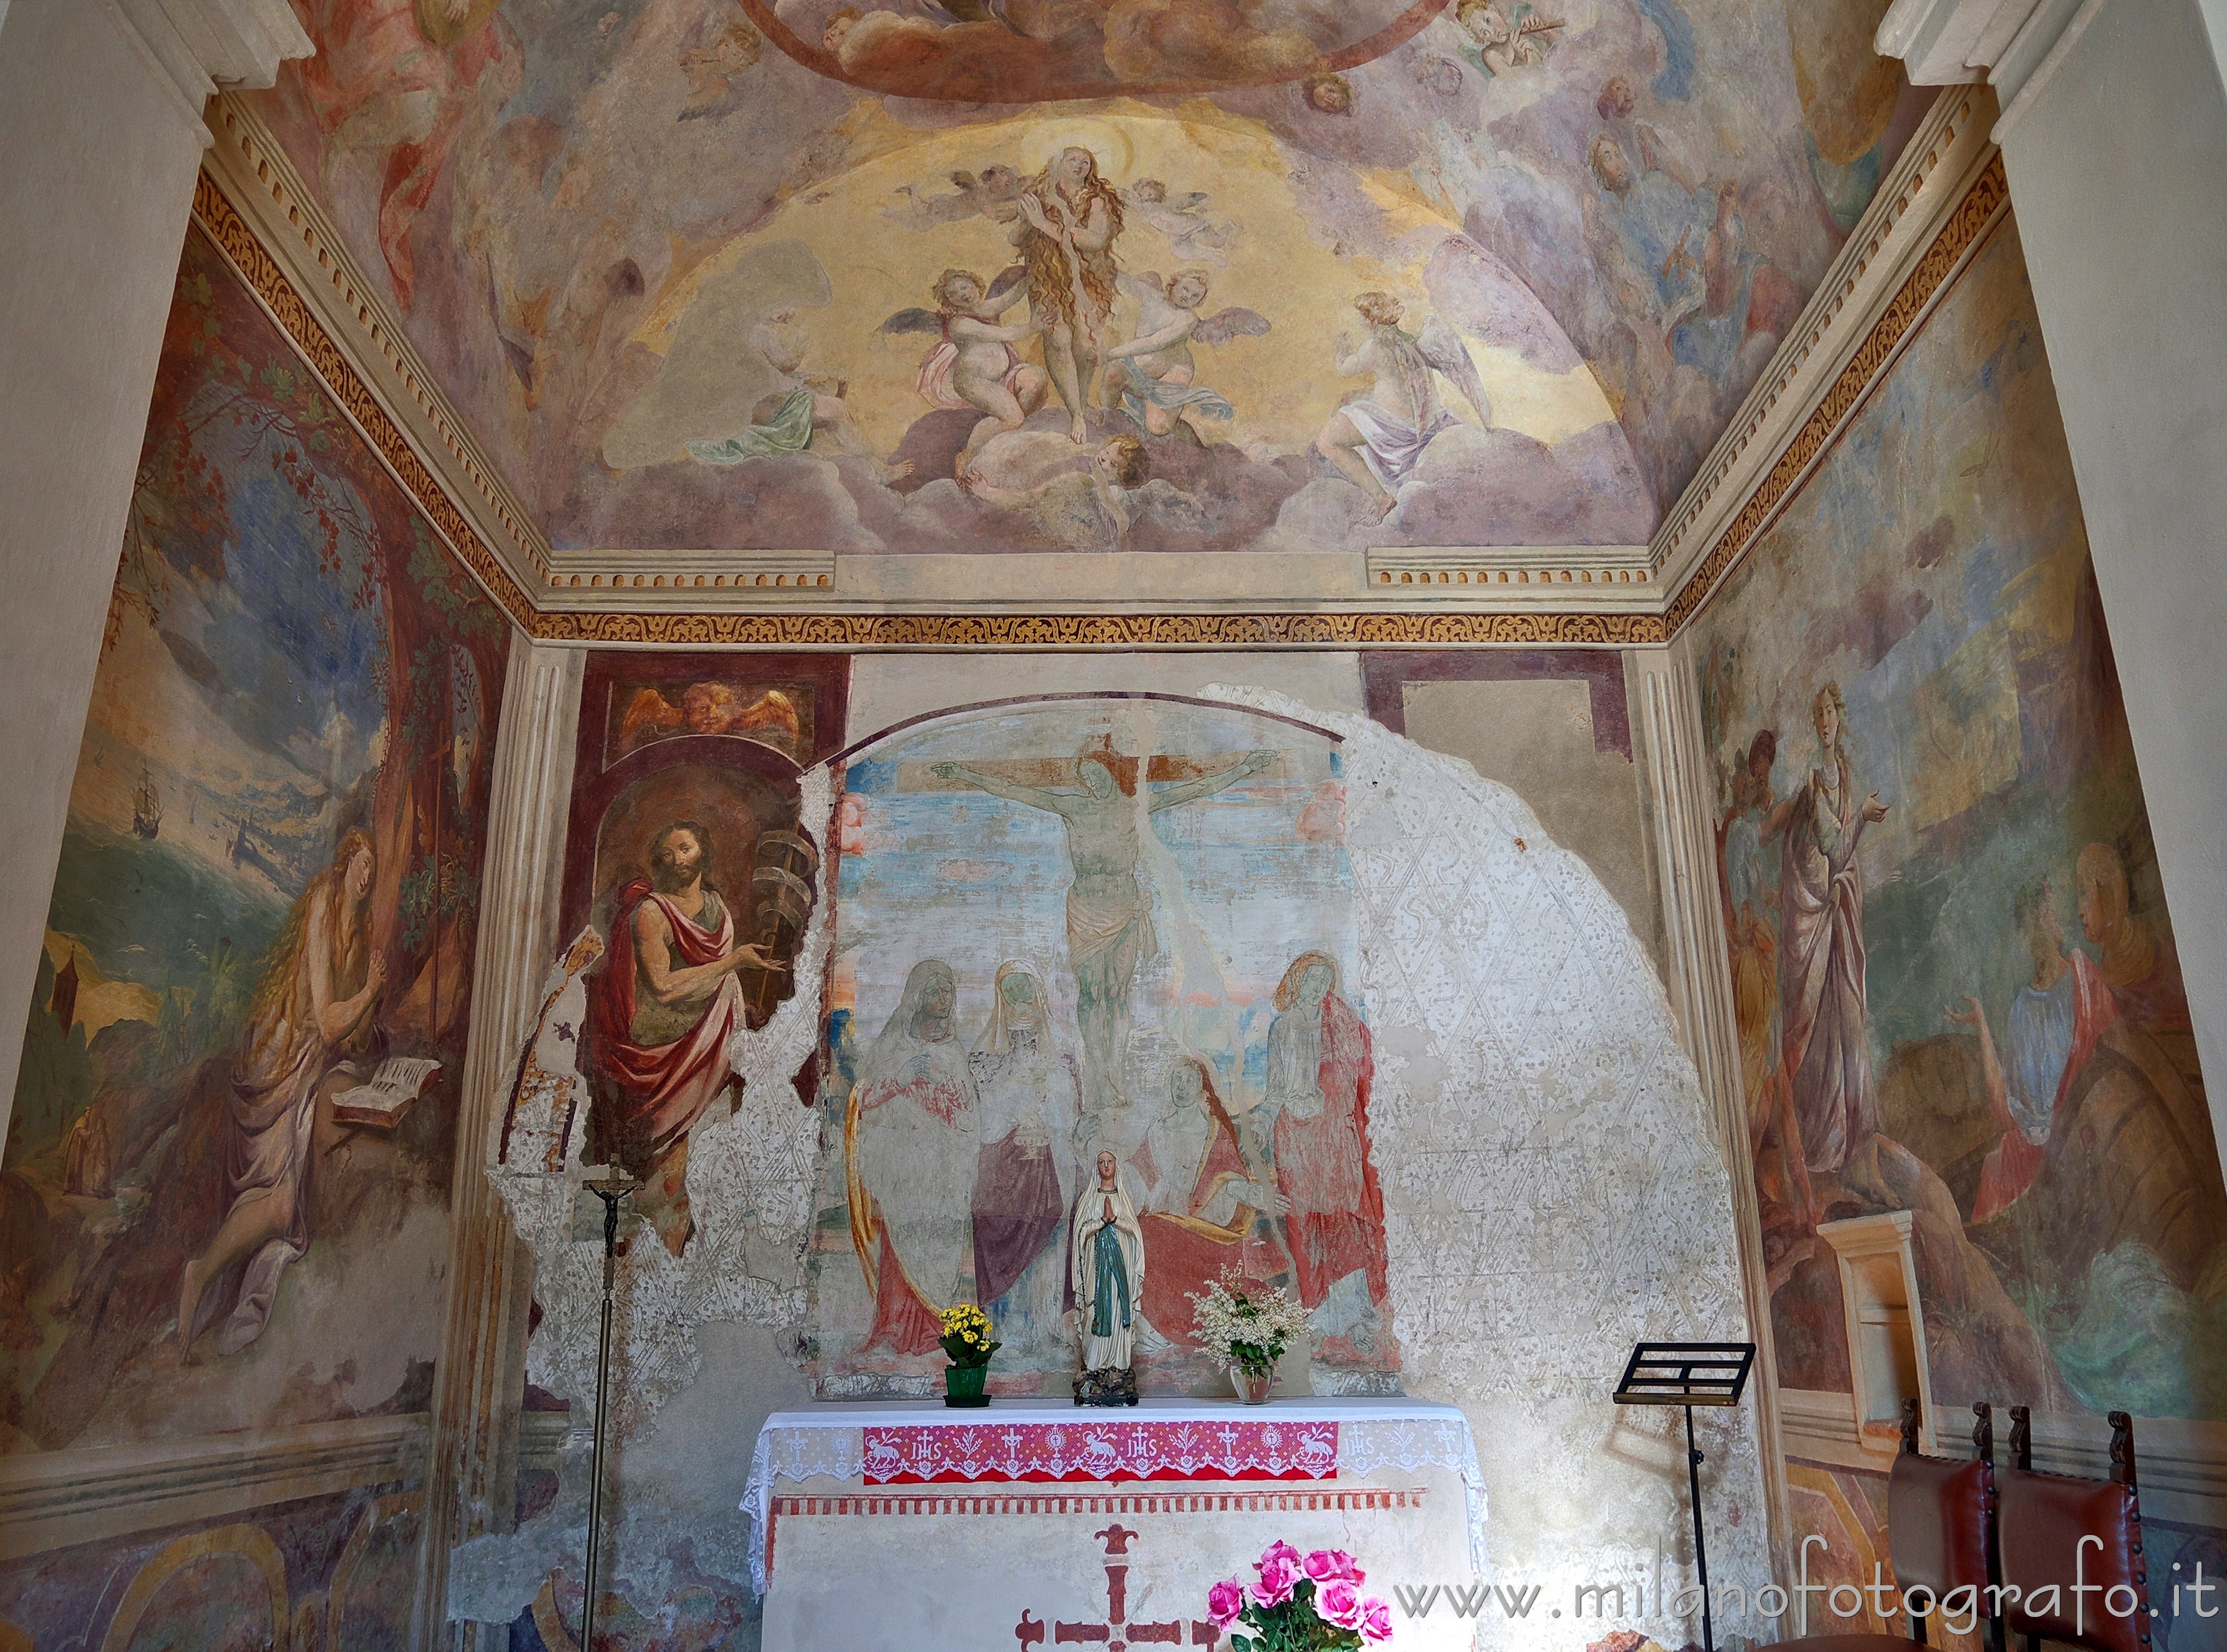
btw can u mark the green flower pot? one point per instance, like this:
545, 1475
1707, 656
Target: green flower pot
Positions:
962, 1385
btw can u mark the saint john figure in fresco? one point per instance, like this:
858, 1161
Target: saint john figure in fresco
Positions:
910, 1138
1319, 1069
1024, 1179
660, 1016
311, 1010
1069, 219
1820, 939
1109, 926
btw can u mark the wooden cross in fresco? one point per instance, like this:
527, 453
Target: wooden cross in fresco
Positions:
1116, 1634
1053, 774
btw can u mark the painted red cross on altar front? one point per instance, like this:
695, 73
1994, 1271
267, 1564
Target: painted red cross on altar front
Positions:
1116, 1634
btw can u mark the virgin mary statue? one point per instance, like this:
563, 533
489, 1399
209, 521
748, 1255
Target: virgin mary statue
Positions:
1109, 1272
909, 1150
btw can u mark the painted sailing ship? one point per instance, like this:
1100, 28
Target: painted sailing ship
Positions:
146, 804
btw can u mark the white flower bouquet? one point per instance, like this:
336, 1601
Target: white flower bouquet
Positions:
1237, 1322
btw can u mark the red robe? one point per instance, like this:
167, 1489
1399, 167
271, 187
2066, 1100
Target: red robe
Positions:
1337, 1220
1186, 1253
649, 1095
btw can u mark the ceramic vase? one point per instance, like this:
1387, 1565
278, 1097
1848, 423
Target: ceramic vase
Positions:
1252, 1389
962, 1385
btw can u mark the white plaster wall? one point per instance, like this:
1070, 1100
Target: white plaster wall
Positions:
98, 153
887, 688
2116, 163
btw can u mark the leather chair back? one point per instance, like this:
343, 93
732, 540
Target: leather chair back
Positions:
2043, 1521
1940, 1521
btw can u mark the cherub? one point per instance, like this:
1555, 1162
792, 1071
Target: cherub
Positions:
1191, 236
974, 363
994, 193
1502, 44
1154, 371
1085, 509
1328, 94
713, 69
1376, 441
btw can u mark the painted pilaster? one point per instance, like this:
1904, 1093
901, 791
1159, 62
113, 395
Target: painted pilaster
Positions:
473, 1477
1666, 729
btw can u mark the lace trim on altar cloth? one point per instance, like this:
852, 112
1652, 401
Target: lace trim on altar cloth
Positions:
1309, 1448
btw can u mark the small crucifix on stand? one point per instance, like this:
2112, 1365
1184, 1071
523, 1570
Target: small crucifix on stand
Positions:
1689, 1374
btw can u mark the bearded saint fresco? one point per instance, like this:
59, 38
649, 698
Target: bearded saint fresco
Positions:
660, 1014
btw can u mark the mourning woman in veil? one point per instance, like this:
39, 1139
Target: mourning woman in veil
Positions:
1030, 1098
909, 1153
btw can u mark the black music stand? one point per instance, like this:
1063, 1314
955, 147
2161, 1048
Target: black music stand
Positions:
1689, 1374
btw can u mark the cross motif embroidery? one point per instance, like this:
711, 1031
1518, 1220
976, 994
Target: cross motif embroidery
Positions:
1116, 1634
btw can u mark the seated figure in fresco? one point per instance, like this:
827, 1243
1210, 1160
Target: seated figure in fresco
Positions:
2140, 967
2125, 1151
1201, 1200
910, 1141
1030, 1098
311, 1010
2055, 1020
1319, 1069
659, 1017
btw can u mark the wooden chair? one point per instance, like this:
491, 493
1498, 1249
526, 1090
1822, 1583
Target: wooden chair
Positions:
2061, 1530
1941, 1535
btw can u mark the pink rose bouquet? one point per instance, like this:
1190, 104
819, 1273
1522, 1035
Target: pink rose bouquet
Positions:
1309, 1603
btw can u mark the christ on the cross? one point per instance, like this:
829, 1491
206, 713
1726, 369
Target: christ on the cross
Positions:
1109, 925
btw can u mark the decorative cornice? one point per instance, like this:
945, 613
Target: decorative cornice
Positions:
50, 1500
1318, 630
336, 299
1982, 204
244, 249
2013, 44
1932, 173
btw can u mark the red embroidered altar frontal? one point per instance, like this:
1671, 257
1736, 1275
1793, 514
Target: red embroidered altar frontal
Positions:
904, 1454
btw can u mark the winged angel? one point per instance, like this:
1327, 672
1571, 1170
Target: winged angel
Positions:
974, 362
1192, 236
1155, 371
1376, 441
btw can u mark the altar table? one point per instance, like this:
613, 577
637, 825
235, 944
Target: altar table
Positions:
902, 1514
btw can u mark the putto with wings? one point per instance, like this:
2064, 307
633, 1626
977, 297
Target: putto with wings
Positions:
1154, 372
975, 362
1192, 236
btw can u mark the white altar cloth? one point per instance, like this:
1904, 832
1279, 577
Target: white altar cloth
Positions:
1050, 1442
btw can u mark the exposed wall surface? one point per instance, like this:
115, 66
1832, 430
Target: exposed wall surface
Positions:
225, 1244
1552, 725
97, 150
1955, 975
2113, 164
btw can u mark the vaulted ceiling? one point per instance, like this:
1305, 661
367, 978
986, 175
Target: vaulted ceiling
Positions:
680, 263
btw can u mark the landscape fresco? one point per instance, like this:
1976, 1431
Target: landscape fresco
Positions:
1123, 924
1284, 277
1954, 972
268, 891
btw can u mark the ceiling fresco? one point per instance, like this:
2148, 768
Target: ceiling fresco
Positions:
1077, 275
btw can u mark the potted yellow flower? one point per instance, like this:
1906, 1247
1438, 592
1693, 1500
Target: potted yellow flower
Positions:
969, 1340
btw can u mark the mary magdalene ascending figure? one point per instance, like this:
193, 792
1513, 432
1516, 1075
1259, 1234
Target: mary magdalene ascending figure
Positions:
1108, 1256
1069, 219
311, 1010
1031, 1099
1821, 957
1201, 1203
659, 1017
1319, 1069
910, 1146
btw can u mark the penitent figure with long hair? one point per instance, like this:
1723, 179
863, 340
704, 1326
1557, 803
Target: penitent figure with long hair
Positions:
1071, 218
311, 1010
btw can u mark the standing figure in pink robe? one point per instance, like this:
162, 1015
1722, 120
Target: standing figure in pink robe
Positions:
1319, 1069
1821, 960
659, 1015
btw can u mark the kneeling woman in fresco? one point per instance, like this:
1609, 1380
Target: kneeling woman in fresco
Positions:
312, 1008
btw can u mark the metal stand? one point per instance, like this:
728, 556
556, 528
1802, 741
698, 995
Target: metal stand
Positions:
1689, 1374
613, 1188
